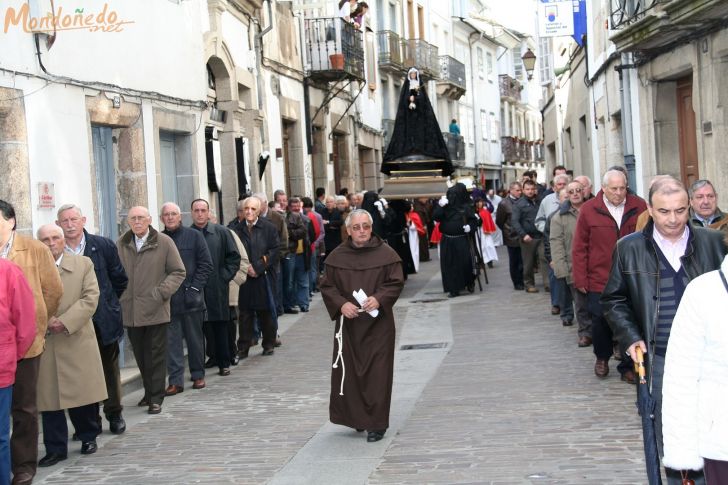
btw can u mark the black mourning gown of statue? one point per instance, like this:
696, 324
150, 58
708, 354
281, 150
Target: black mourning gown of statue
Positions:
416, 133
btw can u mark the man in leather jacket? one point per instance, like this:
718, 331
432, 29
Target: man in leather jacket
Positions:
650, 270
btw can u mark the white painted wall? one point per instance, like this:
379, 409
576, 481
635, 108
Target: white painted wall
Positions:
153, 52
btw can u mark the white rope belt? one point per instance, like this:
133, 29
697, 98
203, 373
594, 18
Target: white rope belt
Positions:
340, 353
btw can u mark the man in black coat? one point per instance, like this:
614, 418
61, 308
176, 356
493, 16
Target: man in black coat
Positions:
650, 270
260, 239
225, 263
107, 319
187, 306
523, 221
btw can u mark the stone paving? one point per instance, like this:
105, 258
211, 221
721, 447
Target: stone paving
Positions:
510, 399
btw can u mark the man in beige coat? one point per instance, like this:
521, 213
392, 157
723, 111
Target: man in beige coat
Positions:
563, 225
71, 374
155, 271
36, 262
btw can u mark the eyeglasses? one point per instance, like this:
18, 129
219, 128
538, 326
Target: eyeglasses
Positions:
575, 191
359, 227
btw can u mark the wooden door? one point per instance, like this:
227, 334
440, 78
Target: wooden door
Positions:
286, 158
687, 134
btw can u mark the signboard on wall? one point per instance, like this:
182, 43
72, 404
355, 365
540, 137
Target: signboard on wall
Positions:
46, 196
556, 19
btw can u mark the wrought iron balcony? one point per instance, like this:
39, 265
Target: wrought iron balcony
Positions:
625, 12
423, 56
648, 27
509, 87
452, 78
455, 146
391, 55
518, 150
334, 50
387, 129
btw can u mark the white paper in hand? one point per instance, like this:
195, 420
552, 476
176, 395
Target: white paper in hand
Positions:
360, 297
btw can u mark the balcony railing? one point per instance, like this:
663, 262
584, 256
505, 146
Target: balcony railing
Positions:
455, 146
518, 150
452, 78
387, 129
423, 56
452, 71
391, 55
334, 49
509, 87
625, 12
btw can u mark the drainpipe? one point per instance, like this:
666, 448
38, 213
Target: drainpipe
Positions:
258, 45
478, 140
625, 90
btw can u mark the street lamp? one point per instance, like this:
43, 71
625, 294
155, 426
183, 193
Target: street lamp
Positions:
529, 62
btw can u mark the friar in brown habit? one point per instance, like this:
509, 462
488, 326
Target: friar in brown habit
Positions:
361, 379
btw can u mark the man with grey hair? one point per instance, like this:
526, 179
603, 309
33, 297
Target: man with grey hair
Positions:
548, 206
704, 209
611, 215
108, 324
187, 305
365, 327
155, 272
649, 274
587, 184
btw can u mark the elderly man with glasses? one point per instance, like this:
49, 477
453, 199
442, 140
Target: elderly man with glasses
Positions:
365, 329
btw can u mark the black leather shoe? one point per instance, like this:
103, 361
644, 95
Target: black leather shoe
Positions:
292, 311
453, 294
268, 352
234, 360
89, 447
224, 372
154, 409
51, 459
117, 425
210, 364
373, 436
143, 402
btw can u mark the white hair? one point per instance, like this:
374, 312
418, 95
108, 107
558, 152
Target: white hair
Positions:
609, 174
66, 207
53, 227
174, 206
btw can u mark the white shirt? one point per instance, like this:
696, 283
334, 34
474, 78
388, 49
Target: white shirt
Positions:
58, 261
673, 251
8, 246
80, 249
345, 11
617, 211
139, 241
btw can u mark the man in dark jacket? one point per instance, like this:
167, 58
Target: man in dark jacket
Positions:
649, 274
187, 305
260, 240
300, 234
523, 221
610, 215
225, 263
107, 320
510, 237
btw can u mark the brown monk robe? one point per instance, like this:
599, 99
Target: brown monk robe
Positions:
367, 342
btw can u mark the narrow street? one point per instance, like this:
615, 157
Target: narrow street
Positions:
499, 394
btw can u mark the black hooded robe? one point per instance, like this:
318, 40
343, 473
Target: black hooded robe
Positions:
456, 258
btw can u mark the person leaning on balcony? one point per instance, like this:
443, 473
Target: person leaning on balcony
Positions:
346, 7
454, 128
357, 14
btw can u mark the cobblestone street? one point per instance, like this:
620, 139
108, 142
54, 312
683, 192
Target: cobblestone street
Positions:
502, 395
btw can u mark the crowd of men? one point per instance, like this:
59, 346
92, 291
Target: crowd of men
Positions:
615, 263
218, 289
